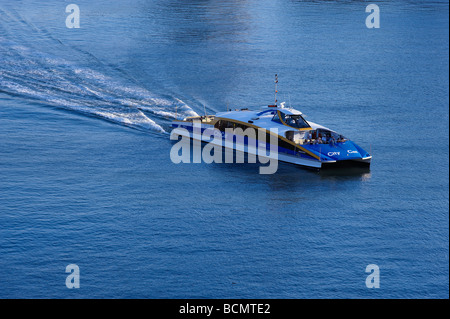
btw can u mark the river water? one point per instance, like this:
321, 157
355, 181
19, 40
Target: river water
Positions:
86, 177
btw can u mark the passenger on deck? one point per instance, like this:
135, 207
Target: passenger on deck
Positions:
307, 137
332, 140
318, 139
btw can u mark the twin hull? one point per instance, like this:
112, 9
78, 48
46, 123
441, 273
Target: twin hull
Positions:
309, 155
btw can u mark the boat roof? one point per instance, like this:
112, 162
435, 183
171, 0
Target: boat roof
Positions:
263, 117
244, 113
289, 111
285, 110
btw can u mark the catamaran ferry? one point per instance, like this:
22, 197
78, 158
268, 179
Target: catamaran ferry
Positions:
297, 140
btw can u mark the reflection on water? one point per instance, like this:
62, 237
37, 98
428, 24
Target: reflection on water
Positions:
363, 173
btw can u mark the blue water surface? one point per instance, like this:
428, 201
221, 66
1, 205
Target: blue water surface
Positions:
85, 170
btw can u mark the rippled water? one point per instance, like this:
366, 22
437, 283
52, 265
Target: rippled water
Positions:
86, 177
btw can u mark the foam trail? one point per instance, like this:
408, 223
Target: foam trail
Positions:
52, 80
27, 72
124, 115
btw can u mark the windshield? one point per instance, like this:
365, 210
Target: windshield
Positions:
296, 121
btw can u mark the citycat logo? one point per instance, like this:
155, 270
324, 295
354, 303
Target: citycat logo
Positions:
352, 152
334, 153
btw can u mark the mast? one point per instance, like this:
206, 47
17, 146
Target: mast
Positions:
276, 88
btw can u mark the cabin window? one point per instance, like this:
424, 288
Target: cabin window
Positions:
276, 118
322, 136
221, 125
296, 121
297, 137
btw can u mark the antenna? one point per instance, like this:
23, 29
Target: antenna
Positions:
204, 108
276, 88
